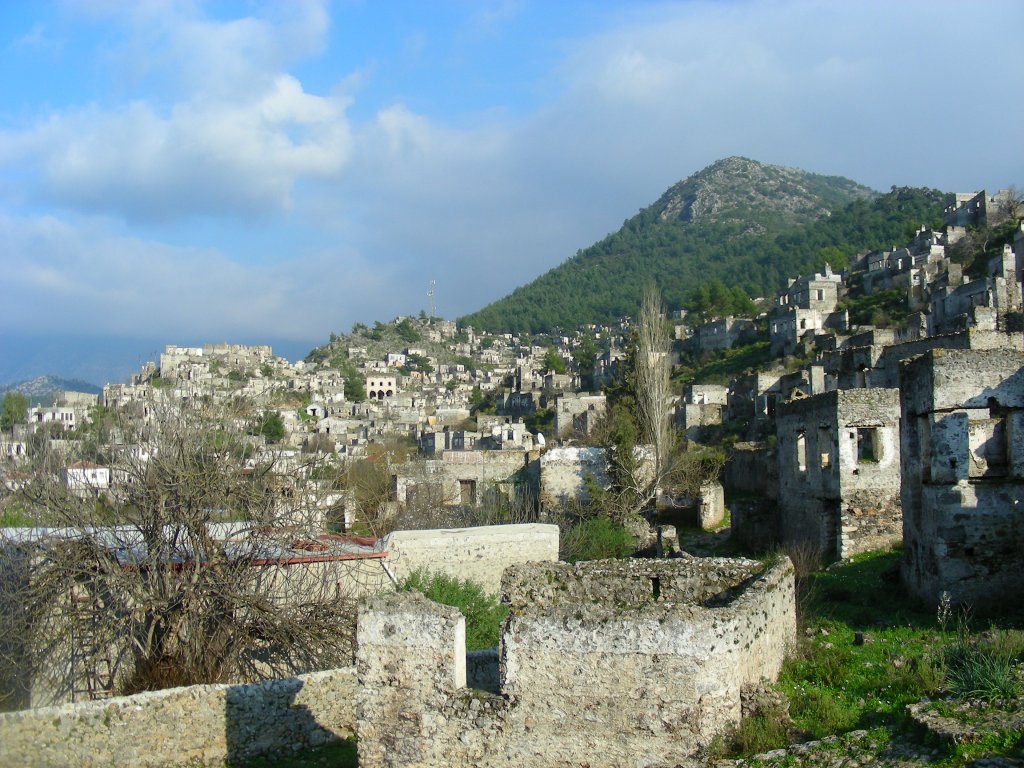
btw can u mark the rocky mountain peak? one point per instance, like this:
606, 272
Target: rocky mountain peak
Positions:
748, 192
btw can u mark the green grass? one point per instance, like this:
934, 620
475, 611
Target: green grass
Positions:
977, 668
720, 367
13, 515
338, 754
1009, 744
483, 612
835, 685
880, 308
596, 538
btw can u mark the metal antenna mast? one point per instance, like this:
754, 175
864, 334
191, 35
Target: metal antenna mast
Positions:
430, 296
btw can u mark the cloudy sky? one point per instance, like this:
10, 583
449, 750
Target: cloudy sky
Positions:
180, 172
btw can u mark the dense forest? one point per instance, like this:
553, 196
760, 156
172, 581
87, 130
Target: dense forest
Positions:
692, 257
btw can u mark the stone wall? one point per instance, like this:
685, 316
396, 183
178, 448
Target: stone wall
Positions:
205, 725
751, 469
962, 429
570, 407
462, 478
754, 523
606, 663
838, 464
479, 554
564, 474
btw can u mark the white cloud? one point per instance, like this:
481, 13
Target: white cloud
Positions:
234, 141
82, 276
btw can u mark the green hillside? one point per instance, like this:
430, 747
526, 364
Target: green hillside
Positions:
743, 224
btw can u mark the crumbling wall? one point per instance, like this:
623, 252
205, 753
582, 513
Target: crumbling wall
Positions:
706, 511
606, 663
838, 465
461, 478
751, 469
963, 469
578, 413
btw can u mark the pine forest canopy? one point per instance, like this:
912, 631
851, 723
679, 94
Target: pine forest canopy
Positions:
737, 229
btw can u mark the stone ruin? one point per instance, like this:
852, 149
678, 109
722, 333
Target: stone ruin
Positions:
605, 663
962, 432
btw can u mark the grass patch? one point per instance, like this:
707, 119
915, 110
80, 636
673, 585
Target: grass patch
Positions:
867, 650
879, 308
983, 668
337, 754
483, 612
13, 515
1010, 744
596, 538
719, 368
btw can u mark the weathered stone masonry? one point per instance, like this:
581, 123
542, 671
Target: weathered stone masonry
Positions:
199, 725
608, 663
839, 471
962, 432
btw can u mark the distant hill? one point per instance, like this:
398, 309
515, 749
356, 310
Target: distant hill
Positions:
42, 389
739, 223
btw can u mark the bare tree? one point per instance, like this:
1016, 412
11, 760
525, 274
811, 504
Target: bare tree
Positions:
653, 387
659, 461
199, 564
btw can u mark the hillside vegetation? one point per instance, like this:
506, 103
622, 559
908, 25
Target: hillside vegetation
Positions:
746, 225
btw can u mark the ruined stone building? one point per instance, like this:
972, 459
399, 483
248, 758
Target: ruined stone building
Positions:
962, 433
379, 387
578, 413
973, 209
604, 663
909, 267
838, 459
721, 333
986, 303
804, 309
569, 473
754, 398
701, 405
463, 478
434, 441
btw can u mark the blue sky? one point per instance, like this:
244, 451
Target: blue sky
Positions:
180, 172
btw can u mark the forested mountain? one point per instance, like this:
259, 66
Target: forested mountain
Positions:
737, 224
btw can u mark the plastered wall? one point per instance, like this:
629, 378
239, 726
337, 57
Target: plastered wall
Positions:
479, 554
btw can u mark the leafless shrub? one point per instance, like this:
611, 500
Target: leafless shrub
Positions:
807, 558
182, 572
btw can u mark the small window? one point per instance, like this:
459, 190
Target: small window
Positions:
867, 445
801, 452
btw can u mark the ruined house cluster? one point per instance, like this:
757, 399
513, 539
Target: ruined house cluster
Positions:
873, 436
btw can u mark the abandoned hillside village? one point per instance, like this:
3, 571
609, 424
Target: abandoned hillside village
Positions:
853, 438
